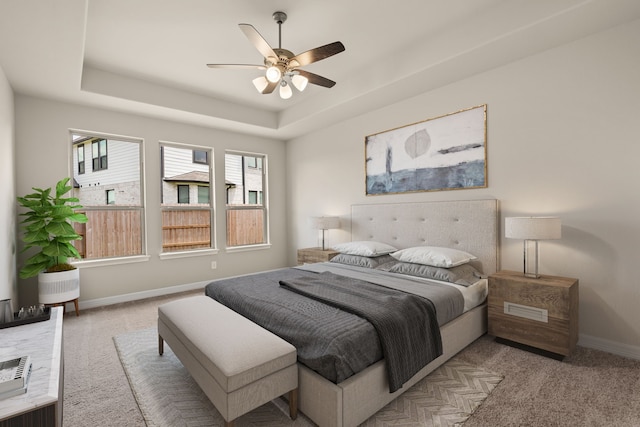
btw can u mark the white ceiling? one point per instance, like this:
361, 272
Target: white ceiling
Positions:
148, 56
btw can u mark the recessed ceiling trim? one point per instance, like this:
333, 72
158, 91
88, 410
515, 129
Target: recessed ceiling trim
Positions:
106, 83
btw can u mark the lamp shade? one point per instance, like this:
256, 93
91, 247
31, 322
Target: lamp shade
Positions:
273, 74
325, 222
300, 82
285, 90
532, 228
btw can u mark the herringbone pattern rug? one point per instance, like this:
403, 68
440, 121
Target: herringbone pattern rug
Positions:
168, 396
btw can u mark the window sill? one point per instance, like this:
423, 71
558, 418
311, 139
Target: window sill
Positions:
110, 261
248, 248
188, 254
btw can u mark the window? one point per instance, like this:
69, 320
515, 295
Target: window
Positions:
245, 178
183, 194
115, 227
187, 211
203, 194
254, 162
99, 154
201, 157
80, 154
255, 197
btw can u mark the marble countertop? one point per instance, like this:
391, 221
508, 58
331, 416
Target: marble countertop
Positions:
42, 341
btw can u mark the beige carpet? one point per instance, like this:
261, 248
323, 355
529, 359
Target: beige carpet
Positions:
168, 396
591, 388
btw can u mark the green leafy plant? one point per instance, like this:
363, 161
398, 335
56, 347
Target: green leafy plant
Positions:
48, 226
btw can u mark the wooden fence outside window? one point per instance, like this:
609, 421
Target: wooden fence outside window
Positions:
117, 233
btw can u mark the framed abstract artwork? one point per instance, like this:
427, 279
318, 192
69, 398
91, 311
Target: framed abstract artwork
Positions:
443, 153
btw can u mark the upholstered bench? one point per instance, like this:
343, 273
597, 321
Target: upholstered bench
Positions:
238, 364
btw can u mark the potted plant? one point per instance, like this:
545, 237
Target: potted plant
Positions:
47, 225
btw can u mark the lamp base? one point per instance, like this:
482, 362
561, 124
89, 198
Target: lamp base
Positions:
530, 250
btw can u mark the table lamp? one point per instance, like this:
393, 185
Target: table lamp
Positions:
325, 223
531, 230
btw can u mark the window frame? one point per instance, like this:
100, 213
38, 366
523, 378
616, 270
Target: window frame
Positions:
181, 194
111, 192
81, 163
208, 193
124, 259
197, 161
97, 156
263, 200
212, 249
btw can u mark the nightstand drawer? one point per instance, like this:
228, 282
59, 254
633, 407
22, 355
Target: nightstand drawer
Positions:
552, 336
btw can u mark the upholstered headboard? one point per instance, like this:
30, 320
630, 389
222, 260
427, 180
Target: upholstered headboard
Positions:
469, 225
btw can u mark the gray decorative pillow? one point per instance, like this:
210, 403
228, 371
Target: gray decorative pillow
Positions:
361, 261
464, 275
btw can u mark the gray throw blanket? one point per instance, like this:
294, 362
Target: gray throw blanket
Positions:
406, 324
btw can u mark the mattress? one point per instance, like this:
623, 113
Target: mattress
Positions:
334, 343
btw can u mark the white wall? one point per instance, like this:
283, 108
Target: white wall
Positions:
7, 194
43, 153
562, 140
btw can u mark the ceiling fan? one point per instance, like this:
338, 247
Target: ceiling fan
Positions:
281, 65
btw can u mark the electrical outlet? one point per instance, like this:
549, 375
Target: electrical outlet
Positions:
214, 265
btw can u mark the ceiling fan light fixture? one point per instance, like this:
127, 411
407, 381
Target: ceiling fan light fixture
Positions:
260, 83
273, 74
300, 82
285, 90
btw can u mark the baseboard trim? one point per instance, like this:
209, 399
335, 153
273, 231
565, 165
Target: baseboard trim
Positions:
134, 296
625, 350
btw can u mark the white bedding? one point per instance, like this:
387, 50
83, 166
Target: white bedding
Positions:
473, 295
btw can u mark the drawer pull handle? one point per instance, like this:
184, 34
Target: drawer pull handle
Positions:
532, 313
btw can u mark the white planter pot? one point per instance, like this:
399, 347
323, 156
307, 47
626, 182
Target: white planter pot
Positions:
58, 287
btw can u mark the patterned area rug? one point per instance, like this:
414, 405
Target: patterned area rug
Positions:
168, 396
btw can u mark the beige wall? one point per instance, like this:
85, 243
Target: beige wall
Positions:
43, 157
7, 194
562, 140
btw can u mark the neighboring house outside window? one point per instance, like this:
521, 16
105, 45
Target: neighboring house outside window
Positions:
245, 178
187, 210
110, 217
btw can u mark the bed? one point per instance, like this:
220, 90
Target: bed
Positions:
469, 226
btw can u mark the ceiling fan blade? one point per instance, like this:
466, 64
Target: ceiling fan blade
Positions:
258, 41
316, 79
238, 66
270, 88
317, 54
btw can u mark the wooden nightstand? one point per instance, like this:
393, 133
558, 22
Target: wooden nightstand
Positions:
541, 313
311, 255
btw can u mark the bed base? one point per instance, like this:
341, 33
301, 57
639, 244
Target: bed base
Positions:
354, 400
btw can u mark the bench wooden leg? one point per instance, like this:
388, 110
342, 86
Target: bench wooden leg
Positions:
160, 345
293, 403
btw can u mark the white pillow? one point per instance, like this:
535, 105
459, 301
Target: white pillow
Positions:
364, 248
434, 256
